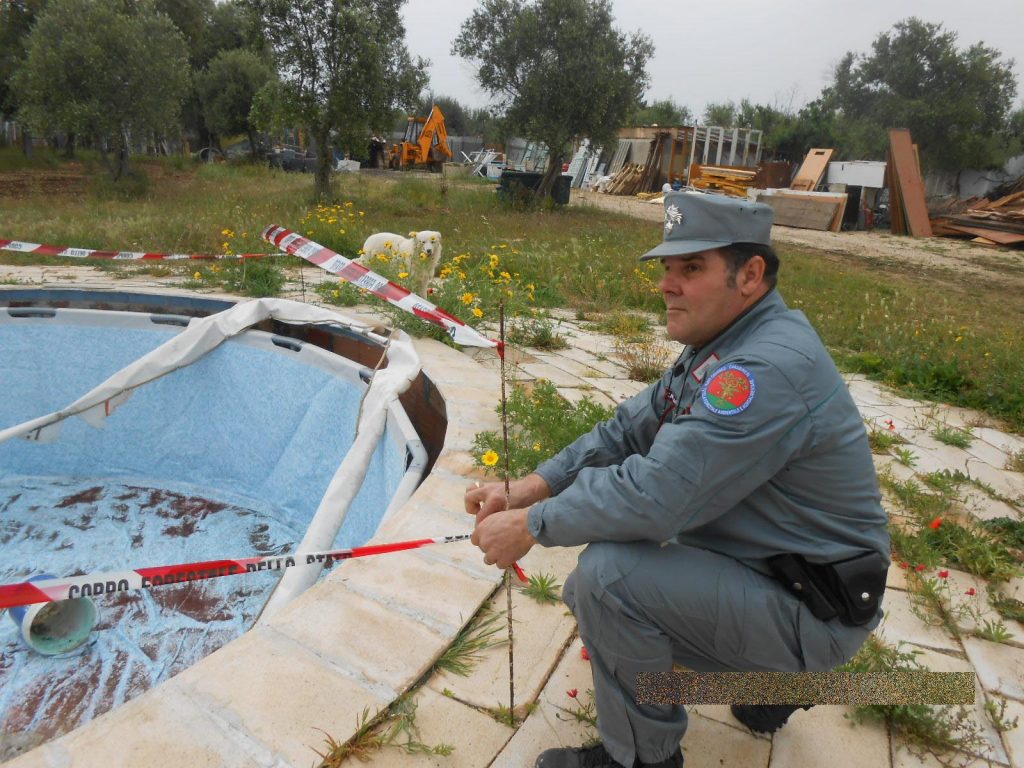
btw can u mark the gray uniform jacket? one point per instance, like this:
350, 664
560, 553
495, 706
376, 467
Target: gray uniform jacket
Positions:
762, 452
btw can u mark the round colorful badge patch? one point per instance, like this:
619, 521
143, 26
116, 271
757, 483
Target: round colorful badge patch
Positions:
730, 391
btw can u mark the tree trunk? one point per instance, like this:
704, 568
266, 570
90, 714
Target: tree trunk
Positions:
26, 144
69, 147
254, 151
552, 172
323, 164
121, 155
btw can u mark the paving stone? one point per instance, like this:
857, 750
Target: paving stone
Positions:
994, 457
1013, 740
575, 395
984, 507
148, 729
578, 368
279, 692
555, 375
409, 582
1001, 440
903, 757
1009, 484
826, 730
551, 724
617, 389
709, 742
1000, 667
608, 366
900, 623
540, 634
939, 662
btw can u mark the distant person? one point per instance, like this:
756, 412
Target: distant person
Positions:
731, 510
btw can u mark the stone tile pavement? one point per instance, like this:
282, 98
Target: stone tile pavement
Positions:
371, 631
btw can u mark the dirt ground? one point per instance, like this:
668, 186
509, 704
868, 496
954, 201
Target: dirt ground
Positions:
943, 258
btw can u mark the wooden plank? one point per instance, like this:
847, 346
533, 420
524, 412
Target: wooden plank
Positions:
910, 183
1003, 238
802, 212
813, 168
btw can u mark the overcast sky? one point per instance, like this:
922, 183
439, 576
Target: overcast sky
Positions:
778, 52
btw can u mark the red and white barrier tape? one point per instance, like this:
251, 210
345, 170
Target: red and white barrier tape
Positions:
93, 584
357, 274
41, 249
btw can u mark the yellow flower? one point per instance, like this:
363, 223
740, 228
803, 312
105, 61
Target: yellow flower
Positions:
225, 245
494, 260
341, 231
959, 338
506, 275
536, 446
467, 298
490, 458
477, 312
197, 276
403, 275
225, 231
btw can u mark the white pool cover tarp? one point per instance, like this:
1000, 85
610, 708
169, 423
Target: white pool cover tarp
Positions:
205, 334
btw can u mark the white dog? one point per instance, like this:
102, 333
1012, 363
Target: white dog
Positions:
420, 252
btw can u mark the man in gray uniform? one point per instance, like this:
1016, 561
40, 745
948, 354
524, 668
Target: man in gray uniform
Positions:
731, 510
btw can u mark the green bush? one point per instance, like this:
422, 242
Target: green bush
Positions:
541, 423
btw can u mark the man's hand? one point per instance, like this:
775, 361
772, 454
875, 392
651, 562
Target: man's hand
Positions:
503, 538
484, 500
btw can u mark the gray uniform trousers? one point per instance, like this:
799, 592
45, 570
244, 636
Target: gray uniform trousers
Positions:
641, 606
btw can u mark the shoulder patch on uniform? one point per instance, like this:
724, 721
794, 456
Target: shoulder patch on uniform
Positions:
730, 391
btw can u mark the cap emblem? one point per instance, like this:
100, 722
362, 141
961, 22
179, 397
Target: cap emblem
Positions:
672, 218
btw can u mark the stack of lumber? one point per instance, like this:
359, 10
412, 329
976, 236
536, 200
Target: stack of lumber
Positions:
999, 221
722, 178
806, 210
634, 178
906, 187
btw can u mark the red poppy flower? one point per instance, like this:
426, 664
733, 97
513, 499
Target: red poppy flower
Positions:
584, 654
904, 564
573, 693
934, 524
943, 574
919, 567
891, 425
972, 592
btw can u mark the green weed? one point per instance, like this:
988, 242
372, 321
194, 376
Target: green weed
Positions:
958, 438
541, 423
1015, 461
882, 440
543, 588
536, 332
905, 456
476, 637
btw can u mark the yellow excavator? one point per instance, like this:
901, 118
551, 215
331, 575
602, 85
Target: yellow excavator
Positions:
425, 144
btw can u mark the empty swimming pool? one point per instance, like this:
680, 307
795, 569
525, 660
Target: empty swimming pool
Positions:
229, 456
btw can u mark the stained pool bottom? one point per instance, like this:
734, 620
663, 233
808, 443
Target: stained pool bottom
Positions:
69, 527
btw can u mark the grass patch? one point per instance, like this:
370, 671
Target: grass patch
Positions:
476, 637
1015, 461
628, 326
928, 338
958, 438
882, 440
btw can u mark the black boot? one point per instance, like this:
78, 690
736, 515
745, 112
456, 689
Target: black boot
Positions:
765, 718
596, 757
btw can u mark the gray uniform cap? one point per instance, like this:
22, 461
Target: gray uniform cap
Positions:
695, 221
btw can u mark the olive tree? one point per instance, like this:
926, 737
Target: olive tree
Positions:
343, 69
97, 69
227, 89
558, 69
